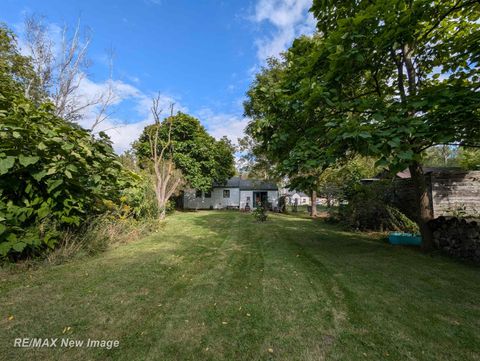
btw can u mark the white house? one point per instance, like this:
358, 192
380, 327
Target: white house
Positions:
299, 198
235, 193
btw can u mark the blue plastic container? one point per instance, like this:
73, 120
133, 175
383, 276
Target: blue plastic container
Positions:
404, 239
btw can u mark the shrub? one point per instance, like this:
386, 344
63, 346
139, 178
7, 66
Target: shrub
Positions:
369, 208
50, 171
260, 213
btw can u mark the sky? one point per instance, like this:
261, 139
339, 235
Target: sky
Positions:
200, 54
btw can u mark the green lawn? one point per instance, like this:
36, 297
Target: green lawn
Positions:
219, 286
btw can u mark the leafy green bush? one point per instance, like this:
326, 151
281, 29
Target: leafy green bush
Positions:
260, 213
55, 177
369, 208
51, 171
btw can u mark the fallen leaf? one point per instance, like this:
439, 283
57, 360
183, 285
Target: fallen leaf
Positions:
10, 317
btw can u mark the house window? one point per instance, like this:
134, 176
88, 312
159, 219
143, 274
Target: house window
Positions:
198, 194
208, 194
226, 193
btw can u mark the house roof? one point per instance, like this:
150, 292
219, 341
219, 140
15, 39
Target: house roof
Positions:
247, 184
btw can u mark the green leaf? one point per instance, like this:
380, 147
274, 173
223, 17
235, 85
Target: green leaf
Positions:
54, 185
364, 135
4, 248
43, 211
26, 160
407, 155
41, 146
39, 175
19, 246
6, 164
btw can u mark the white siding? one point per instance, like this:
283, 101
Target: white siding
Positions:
243, 199
273, 198
300, 200
244, 194
216, 201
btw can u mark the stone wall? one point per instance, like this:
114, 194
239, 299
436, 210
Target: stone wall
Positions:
457, 237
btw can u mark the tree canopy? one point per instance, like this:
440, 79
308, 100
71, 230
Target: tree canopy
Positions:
380, 78
201, 158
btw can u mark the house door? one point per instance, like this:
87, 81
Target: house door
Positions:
260, 197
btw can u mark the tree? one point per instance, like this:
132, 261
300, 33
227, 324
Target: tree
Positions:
253, 164
381, 78
200, 158
402, 77
59, 76
16, 71
286, 128
440, 156
167, 177
340, 180
469, 158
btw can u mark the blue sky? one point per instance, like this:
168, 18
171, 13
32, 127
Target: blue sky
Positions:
202, 54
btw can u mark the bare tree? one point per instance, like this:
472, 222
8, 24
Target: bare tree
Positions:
60, 73
40, 47
167, 178
107, 98
69, 74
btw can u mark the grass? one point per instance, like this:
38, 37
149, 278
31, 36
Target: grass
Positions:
219, 286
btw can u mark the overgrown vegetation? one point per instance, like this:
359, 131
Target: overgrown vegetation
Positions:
63, 190
370, 208
60, 186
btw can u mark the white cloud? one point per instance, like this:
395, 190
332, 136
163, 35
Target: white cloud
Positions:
221, 124
124, 132
290, 18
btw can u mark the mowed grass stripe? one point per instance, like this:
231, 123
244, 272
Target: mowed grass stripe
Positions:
221, 286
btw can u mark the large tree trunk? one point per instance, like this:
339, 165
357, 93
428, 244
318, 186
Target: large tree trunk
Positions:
313, 202
424, 210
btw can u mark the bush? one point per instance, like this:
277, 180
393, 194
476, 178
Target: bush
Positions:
260, 213
369, 208
51, 171
55, 177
